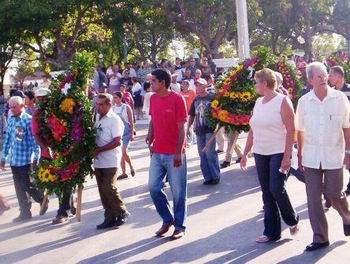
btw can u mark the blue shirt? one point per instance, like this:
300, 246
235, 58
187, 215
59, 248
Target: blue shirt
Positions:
19, 143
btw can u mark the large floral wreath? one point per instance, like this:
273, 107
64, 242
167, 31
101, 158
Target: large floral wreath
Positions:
65, 120
341, 59
236, 95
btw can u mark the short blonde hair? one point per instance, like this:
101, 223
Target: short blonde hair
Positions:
267, 75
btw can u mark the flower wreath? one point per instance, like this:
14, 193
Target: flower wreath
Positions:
236, 95
341, 59
65, 120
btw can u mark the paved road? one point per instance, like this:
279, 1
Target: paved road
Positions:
223, 221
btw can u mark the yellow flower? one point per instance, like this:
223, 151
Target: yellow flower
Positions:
214, 103
67, 105
44, 175
223, 115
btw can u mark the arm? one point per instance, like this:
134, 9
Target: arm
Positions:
190, 122
180, 144
288, 117
111, 145
347, 146
300, 140
247, 149
6, 146
150, 136
130, 119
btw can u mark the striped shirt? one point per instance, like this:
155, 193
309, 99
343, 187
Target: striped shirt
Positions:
19, 143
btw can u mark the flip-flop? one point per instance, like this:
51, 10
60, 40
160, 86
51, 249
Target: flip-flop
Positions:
132, 172
123, 176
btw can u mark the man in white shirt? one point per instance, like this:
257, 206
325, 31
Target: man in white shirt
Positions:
109, 130
322, 123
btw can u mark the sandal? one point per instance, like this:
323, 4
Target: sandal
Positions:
265, 239
123, 176
293, 230
132, 172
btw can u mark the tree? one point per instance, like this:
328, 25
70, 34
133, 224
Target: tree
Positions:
210, 20
148, 32
56, 29
7, 52
341, 19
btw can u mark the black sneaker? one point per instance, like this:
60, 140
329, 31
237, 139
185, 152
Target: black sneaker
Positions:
22, 217
225, 164
208, 182
106, 224
238, 160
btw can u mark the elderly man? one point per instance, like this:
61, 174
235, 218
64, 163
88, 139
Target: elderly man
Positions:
336, 79
322, 122
20, 147
110, 129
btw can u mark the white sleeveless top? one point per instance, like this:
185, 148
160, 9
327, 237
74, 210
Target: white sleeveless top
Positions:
122, 112
269, 132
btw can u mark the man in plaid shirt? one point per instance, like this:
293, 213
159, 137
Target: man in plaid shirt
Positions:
19, 147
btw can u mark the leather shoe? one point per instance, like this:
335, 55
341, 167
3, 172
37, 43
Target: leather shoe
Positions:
225, 164
121, 220
219, 151
106, 224
60, 219
215, 181
177, 234
238, 160
165, 228
346, 230
44, 205
315, 246
22, 217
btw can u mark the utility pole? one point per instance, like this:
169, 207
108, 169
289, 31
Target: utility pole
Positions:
242, 28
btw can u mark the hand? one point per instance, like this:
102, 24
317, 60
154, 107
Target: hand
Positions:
132, 137
347, 161
34, 164
150, 147
285, 164
2, 166
300, 165
96, 152
243, 163
177, 160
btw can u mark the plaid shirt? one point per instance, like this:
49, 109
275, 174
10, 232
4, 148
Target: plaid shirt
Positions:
19, 143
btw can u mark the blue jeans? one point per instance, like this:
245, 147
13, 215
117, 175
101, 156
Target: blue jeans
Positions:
209, 160
274, 194
162, 165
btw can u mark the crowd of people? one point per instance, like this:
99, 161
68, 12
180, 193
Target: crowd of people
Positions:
177, 97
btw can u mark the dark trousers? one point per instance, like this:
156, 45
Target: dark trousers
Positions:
24, 188
110, 198
64, 204
274, 194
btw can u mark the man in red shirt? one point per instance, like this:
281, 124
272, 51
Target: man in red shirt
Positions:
166, 140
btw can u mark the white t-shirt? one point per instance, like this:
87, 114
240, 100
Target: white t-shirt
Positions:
136, 87
121, 111
108, 127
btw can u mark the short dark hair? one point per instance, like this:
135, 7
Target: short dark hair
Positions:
119, 94
30, 94
338, 70
162, 75
146, 85
107, 98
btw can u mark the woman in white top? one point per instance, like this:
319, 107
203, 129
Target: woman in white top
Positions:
272, 134
124, 111
137, 94
147, 99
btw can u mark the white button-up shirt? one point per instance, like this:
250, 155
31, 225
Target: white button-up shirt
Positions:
322, 123
108, 127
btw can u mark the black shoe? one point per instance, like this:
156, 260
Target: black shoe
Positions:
208, 182
225, 164
121, 177
347, 191
238, 160
106, 224
22, 217
219, 151
314, 246
59, 219
346, 230
215, 181
72, 208
44, 205
121, 220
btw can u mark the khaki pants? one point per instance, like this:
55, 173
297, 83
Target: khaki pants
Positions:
329, 182
231, 144
110, 198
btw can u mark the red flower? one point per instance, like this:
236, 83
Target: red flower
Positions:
58, 130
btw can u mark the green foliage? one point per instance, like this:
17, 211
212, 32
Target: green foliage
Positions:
66, 126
